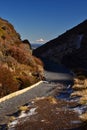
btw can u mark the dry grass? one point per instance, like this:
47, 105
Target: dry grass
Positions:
23, 108
80, 89
8, 84
50, 115
12, 118
84, 116
80, 86
52, 100
83, 99
79, 93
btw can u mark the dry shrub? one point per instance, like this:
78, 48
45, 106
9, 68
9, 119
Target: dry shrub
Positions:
20, 55
8, 84
52, 100
83, 99
26, 81
81, 77
80, 72
38, 61
84, 117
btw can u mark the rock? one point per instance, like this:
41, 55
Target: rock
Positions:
27, 44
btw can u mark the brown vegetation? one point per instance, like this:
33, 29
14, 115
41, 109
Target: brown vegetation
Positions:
8, 83
46, 113
20, 55
80, 89
18, 68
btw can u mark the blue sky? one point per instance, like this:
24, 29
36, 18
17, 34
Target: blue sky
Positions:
43, 20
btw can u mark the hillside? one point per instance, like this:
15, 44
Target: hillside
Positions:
18, 68
70, 48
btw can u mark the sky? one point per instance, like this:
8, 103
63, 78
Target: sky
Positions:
42, 20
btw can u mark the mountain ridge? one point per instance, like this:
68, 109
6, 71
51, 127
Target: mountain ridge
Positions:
67, 48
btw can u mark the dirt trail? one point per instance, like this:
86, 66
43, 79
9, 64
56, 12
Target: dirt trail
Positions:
58, 78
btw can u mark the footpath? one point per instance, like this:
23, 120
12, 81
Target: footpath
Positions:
55, 75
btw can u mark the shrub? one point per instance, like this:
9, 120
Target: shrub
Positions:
4, 27
81, 77
8, 83
3, 37
20, 55
38, 61
26, 81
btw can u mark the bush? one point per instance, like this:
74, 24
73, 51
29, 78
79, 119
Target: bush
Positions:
8, 83
3, 37
38, 61
81, 77
26, 81
20, 55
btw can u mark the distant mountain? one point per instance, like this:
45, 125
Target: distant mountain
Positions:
70, 48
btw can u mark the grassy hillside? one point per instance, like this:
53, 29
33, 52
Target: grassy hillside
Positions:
18, 68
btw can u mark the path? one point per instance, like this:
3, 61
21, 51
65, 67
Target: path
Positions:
54, 74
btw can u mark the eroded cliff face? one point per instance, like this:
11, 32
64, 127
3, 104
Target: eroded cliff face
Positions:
18, 68
69, 48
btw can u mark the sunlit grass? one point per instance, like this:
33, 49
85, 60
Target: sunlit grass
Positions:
23, 108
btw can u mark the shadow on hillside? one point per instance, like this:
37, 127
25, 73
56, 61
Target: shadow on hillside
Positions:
54, 67
4, 127
65, 82
79, 128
